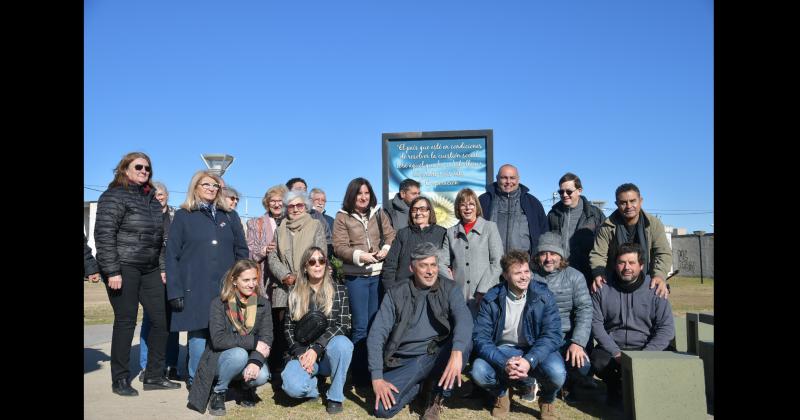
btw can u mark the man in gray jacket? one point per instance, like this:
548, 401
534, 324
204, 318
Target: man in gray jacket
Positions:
574, 307
421, 335
627, 315
398, 207
519, 215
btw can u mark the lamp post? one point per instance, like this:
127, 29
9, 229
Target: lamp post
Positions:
700, 234
217, 163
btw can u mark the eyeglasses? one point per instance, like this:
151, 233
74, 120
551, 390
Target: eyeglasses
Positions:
317, 261
298, 206
465, 205
569, 192
234, 198
139, 167
276, 201
208, 186
420, 209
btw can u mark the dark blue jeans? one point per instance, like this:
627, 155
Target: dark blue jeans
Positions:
550, 372
363, 295
409, 376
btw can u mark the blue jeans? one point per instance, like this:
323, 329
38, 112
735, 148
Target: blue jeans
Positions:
172, 344
413, 371
197, 344
363, 295
297, 383
231, 365
550, 373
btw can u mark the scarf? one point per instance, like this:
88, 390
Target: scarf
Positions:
243, 318
622, 237
626, 287
209, 208
294, 238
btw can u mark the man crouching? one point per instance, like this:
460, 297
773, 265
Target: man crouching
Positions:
423, 329
517, 338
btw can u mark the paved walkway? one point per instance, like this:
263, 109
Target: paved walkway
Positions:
102, 404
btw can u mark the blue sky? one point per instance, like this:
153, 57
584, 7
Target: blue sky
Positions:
614, 91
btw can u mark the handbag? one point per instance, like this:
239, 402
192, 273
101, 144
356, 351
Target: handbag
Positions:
310, 327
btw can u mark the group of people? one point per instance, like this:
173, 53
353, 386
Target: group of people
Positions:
503, 295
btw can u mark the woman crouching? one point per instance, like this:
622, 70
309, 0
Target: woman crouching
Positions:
323, 349
240, 337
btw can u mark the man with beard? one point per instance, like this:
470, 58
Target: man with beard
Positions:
627, 315
574, 307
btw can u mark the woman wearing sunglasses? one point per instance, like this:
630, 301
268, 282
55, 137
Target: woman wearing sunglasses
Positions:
298, 232
129, 238
240, 336
205, 239
421, 228
362, 237
330, 353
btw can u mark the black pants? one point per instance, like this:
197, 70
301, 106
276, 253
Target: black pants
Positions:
143, 286
280, 346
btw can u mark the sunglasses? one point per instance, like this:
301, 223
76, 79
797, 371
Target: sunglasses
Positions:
569, 192
298, 206
317, 261
234, 198
139, 167
208, 186
419, 209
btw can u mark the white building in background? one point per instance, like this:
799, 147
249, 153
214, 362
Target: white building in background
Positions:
89, 216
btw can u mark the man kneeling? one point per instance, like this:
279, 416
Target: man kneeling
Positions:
517, 338
422, 330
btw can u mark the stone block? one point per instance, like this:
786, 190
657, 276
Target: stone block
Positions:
706, 349
663, 385
679, 341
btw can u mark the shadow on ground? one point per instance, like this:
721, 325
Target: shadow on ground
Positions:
92, 359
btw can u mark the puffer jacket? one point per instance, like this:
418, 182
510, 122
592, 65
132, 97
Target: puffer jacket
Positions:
89, 263
353, 236
541, 325
573, 300
582, 241
129, 229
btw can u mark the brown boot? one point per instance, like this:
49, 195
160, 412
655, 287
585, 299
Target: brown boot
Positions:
435, 407
502, 405
547, 410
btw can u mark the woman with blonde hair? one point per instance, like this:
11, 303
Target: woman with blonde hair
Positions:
330, 353
206, 237
240, 337
129, 238
472, 250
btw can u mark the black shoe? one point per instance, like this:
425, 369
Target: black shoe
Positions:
172, 374
141, 376
159, 383
123, 387
216, 404
334, 407
249, 397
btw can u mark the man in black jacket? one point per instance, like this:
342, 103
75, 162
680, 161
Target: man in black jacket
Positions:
421, 332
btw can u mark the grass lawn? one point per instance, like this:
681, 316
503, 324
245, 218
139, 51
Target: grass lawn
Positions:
687, 295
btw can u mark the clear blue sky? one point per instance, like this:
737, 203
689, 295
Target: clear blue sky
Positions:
614, 91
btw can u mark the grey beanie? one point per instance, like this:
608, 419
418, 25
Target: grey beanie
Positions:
550, 241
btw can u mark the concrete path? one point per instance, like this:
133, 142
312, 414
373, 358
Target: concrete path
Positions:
102, 404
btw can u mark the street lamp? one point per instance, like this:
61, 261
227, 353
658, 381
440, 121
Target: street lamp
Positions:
700, 234
217, 163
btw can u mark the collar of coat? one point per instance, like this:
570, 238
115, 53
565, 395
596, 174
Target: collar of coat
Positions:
372, 212
480, 223
616, 218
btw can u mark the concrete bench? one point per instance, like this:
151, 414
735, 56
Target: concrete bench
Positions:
698, 327
706, 352
663, 385
680, 340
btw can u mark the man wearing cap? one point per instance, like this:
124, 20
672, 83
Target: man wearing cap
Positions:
574, 307
627, 315
421, 335
517, 336
629, 223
